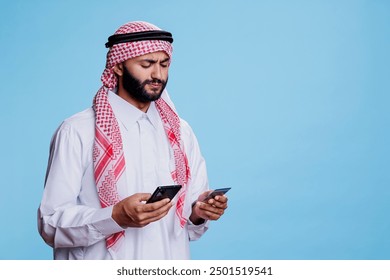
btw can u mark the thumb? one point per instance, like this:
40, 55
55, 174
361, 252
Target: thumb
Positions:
143, 196
204, 195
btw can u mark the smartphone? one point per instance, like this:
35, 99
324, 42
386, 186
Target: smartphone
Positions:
162, 192
216, 192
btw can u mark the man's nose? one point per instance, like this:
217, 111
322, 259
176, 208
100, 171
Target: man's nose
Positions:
156, 72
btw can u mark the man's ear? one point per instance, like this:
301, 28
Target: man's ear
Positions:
118, 69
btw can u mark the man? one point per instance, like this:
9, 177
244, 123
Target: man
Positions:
107, 160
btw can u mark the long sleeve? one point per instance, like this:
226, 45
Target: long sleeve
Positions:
69, 214
70, 217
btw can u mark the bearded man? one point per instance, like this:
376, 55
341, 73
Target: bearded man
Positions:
106, 161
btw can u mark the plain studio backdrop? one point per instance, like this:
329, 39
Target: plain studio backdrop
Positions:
289, 101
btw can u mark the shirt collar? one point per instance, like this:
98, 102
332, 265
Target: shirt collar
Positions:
128, 114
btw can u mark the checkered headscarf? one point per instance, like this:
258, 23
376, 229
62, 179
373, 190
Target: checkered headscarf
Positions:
124, 51
108, 156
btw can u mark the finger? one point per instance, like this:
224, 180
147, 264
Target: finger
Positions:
216, 204
211, 209
221, 198
204, 195
208, 215
156, 215
210, 201
220, 205
150, 207
217, 211
143, 196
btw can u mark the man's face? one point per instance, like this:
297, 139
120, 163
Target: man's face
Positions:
144, 78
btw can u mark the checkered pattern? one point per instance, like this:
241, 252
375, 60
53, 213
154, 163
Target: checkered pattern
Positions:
181, 174
108, 156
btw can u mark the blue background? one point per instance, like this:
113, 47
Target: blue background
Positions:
289, 101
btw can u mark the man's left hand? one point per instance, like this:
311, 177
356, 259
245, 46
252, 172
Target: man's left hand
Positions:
211, 209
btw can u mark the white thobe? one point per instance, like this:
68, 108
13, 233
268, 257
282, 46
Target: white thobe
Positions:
70, 218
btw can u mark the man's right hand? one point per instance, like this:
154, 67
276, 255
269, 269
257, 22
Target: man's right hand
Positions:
134, 212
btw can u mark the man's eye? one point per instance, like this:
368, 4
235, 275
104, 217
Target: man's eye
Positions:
164, 65
146, 65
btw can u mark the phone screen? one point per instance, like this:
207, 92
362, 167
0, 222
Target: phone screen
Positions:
162, 192
216, 192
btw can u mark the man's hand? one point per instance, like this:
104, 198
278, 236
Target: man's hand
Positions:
133, 212
211, 209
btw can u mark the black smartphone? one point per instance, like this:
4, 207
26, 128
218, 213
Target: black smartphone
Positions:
216, 192
162, 192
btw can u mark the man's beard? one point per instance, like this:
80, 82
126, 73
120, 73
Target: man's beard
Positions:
136, 89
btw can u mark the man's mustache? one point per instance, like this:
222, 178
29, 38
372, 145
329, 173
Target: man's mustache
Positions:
155, 81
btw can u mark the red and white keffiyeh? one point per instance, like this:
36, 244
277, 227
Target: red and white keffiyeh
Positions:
108, 156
